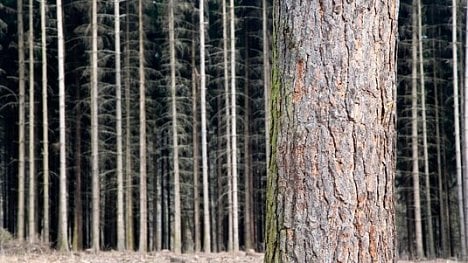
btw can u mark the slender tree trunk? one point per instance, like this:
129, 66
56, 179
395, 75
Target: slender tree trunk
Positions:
118, 105
128, 144
235, 209
32, 172
414, 136
94, 129
206, 199
266, 79
456, 116
45, 126
62, 240
78, 213
143, 191
430, 229
228, 125
196, 154
21, 124
444, 230
248, 227
175, 140
465, 135
331, 180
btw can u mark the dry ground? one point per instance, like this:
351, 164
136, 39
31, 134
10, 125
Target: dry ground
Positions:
131, 257
135, 257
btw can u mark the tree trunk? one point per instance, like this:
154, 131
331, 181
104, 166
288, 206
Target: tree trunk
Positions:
248, 223
206, 199
78, 213
330, 185
228, 124
32, 172
62, 240
94, 130
21, 124
465, 136
128, 144
456, 116
196, 154
414, 136
429, 229
175, 140
235, 212
45, 127
143, 191
443, 229
118, 106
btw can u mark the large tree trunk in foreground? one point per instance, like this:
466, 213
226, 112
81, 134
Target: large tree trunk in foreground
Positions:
330, 183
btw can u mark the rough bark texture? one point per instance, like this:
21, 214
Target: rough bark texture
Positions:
330, 183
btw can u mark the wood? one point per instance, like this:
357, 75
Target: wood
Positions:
331, 179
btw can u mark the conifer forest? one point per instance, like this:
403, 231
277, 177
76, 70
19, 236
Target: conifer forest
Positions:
146, 125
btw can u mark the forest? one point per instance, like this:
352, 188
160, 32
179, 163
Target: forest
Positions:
145, 125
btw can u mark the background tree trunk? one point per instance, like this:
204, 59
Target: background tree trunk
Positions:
32, 172
21, 124
206, 199
175, 140
414, 135
142, 91
62, 240
94, 129
330, 185
118, 121
45, 127
456, 116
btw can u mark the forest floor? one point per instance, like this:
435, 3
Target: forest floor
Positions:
131, 257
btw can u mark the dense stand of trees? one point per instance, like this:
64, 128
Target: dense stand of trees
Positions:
141, 124
152, 131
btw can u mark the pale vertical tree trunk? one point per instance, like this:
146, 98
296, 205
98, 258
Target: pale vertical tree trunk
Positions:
444, 229
266, 79
228, 124
94, 129
78, 205
430, 229
196, 153
456, 116
465, 135
331, 180
128, 144
248, 223
206, 199
45, 127
175, 141
32, 173
235, 217
414, 135
141, 69
118, 100
62, 242
21, 124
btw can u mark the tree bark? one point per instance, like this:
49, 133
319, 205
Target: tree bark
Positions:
32, 172
206, 199
331, 179
175, 140
142, 90
94, 129
62, 240
118, 106
415, 136
235, 210
456, 116
21, 124
45, 127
